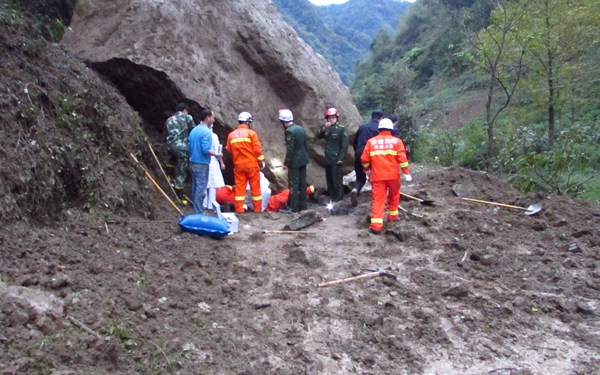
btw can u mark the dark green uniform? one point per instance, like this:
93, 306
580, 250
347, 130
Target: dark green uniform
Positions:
296, 159
178, 129
336, 147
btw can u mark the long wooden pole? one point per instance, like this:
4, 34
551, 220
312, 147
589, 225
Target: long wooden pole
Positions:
286, 232
411, 197
163, 172
496, 204
365, 276
155, 184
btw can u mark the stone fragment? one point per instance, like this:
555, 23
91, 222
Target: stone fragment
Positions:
304, 219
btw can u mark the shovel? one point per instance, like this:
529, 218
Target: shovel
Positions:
424, 202
533, 209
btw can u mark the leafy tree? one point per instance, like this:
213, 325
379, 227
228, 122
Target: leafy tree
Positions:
499, 54
560, 32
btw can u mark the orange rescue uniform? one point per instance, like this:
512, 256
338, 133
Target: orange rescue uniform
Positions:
384, 155
279, 201
276, 201
225, 194
244, 145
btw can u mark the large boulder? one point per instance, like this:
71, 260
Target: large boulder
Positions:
231, 56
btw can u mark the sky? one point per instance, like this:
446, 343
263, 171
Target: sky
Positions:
327, 2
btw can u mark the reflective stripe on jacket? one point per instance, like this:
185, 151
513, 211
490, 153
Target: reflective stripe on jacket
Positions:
244, 145
384, 155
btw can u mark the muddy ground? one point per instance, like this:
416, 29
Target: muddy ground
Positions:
480, 290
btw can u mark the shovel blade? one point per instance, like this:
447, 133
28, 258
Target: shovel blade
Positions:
533, 209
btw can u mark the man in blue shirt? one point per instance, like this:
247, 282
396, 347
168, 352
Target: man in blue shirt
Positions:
200, 141
365, 132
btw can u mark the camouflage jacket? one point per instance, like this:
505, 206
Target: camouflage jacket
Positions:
178, 129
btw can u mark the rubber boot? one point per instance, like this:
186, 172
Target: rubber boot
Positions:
170, 172
179, 192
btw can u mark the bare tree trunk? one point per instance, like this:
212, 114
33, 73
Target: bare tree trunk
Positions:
551, 100
490, 126
550, 82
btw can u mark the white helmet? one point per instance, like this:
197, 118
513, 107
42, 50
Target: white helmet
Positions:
285, 115
386, 123
245, 117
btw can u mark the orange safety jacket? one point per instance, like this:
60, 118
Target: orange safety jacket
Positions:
225, 194
244, 145
384, 155
279, 201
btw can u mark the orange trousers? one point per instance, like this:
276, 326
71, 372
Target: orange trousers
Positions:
241, 176
384, 190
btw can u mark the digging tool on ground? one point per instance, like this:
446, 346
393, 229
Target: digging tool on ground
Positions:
409, 213
155, 184
286, 232
424, 202
163, 172
374, 273
533, 209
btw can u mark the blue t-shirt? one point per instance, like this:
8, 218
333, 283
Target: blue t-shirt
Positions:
200, 141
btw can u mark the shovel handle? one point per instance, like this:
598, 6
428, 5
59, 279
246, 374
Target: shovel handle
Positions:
496, 204
163, 172
365, 276
411, 197
408, 212
155, 184
286, 232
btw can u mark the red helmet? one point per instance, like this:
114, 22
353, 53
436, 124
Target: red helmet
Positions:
332, 112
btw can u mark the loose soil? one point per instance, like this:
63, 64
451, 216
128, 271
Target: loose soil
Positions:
480, 289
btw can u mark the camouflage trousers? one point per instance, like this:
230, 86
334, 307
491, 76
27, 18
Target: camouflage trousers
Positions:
179, 159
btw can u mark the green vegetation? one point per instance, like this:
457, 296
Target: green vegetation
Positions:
59, 125
51, 15
341, 33
531, 64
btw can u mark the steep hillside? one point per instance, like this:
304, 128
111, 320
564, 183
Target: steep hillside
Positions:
65, 131
342, 33
360, 20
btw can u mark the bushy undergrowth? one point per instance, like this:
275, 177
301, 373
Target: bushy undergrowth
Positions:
522, 155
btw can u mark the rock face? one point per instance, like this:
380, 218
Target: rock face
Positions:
231, 56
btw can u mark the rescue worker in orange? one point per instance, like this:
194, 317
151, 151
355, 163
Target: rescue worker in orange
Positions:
382, 159
276, 201
244, 145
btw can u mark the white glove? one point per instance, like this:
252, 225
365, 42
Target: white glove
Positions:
368, 173
407, 177
262, 165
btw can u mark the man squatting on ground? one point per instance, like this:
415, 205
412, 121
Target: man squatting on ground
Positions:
365, 132
383, 157
336, 146
178, 128
200, 142
243, 143
296, 160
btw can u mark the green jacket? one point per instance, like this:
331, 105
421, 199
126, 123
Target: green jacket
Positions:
336, 143
296, 149
178, 129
